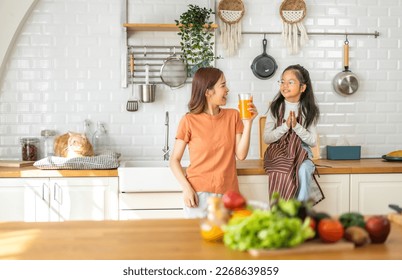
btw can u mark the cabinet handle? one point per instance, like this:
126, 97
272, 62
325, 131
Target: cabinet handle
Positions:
44, 185
58, 193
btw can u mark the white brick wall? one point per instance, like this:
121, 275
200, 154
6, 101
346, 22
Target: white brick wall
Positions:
65, 67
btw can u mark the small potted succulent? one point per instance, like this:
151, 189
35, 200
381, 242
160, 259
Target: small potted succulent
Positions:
196, 37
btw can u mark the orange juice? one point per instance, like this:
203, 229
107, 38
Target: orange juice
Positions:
244, 99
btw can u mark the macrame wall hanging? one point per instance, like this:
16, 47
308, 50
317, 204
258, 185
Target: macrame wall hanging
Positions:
230, 13
292, 13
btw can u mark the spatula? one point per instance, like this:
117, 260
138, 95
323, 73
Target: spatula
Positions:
132, 103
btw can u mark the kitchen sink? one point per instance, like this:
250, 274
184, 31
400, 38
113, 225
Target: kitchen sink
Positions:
147, 176
145, 163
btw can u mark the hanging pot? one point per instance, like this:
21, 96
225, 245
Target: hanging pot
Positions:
345, 83
264, 66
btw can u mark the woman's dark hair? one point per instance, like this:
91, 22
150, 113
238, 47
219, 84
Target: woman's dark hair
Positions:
205, 78
308, 105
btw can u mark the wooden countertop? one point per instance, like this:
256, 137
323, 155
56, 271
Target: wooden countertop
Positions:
149, 240
246, 167
31, 171
324, 166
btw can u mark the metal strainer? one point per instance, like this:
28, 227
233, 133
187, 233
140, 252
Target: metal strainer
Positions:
173, 72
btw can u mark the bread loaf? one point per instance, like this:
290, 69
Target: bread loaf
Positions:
397, 153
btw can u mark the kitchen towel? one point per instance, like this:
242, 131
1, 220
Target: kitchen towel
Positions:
107, 160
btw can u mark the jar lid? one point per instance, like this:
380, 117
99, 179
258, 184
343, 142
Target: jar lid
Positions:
27, 140
47, 132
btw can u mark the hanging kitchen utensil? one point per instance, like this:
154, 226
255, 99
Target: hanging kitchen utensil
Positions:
147, 90
173, 72
264, 66
345, 83
230, 12
132, 103
292, 13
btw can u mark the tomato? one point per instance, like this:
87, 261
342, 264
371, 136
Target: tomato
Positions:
313, 224
233, 200
330, 230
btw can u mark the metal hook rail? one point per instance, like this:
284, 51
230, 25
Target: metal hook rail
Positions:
375, 33
151, 56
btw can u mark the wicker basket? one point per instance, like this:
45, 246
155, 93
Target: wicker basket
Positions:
231, 11
293, 11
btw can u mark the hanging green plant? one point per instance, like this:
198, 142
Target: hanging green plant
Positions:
196, 38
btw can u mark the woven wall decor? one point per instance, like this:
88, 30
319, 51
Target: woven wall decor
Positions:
292, 13
230, 13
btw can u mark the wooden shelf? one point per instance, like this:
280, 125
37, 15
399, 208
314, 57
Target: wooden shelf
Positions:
155, 26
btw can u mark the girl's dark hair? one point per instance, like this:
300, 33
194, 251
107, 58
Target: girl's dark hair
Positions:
205, 78
308, 105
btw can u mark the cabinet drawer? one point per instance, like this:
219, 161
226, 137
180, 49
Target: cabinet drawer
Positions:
166, 200
151, 214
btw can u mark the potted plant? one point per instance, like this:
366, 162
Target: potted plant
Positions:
196, 44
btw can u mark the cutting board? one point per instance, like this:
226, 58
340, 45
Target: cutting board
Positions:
312, 246
15, 163
395, 218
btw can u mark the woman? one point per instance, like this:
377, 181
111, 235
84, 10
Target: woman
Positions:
215, 137
290, 131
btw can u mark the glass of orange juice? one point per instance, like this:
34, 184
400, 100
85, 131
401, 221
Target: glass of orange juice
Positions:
244, 99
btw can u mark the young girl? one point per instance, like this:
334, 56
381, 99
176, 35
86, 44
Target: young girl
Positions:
215, 137
290, 131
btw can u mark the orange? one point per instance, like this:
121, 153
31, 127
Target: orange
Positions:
210, 232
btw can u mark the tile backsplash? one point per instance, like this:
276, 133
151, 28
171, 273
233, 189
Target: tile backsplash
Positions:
65, 68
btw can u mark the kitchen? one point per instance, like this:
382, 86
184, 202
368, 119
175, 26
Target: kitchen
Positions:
65, 67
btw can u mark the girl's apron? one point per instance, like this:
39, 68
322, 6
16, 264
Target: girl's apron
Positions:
282, 160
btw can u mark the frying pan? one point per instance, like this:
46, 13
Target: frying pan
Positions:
345, 83
264, 66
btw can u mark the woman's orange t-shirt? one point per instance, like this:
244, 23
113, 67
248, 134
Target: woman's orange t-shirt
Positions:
211, 144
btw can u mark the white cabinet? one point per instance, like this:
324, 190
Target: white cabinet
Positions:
19, 199
151, 205
89, 198
335, 188
58, 199
336, 192
254, 187
371, 193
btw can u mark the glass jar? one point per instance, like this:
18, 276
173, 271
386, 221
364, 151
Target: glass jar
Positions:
100, 140
217, 216
48, 142
29, 148
87, 130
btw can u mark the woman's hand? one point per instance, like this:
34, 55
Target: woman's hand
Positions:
251, 108
190, 197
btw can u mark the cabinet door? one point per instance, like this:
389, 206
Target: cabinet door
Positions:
336, 192
151, 200
20, 199
84, 198
151, 205
254, 187
371, 193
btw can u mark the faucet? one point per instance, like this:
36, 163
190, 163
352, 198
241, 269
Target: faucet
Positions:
166, 147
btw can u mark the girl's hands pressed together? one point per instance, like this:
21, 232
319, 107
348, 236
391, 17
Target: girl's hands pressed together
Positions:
291, 121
